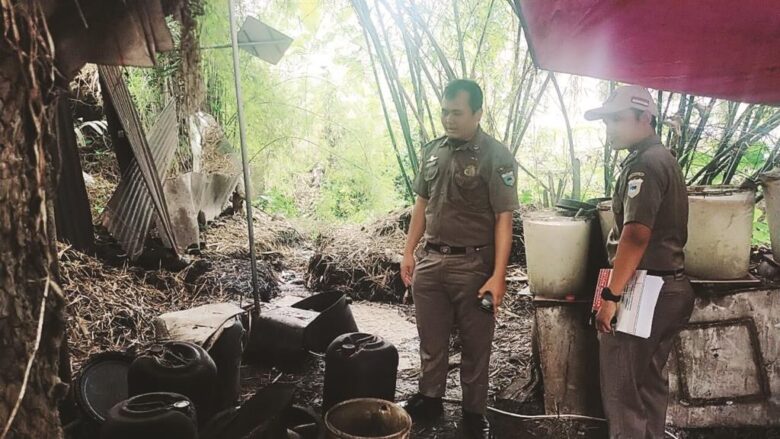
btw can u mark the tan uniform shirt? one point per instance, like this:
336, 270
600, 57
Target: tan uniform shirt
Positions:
651, 191
466, 185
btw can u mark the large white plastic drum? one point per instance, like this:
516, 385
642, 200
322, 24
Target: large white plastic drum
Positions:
720, 229
556, 248
771, 183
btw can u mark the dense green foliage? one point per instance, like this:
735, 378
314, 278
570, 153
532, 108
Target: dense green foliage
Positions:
318, 137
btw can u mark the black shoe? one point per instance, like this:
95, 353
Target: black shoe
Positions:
423, 408
476, 426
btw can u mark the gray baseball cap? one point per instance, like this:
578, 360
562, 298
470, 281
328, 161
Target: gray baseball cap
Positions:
623, 98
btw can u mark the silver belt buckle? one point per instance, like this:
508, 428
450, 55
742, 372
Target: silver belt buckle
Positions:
445, 249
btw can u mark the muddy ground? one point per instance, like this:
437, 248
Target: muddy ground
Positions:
395, 323
228, 278
512, 356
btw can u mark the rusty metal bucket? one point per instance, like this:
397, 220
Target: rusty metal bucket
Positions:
367, 418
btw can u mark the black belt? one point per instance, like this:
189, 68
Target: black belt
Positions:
662, 273
450, 250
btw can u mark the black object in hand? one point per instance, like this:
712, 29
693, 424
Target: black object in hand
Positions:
486, 304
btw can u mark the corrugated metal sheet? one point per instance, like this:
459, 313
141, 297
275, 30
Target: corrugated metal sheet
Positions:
210, 192
139, 194
184, 214
119, 143
71, 207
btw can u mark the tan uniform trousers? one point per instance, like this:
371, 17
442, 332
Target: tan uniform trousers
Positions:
634, 384
445, 290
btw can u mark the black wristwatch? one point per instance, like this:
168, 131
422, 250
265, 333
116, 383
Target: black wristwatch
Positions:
606, 294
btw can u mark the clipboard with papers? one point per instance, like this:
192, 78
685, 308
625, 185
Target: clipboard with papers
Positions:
636, 309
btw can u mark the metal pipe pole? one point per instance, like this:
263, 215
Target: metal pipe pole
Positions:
244, 160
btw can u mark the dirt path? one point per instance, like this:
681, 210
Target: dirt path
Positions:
396, 323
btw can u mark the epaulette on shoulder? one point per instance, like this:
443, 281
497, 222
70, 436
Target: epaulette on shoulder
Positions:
435, 141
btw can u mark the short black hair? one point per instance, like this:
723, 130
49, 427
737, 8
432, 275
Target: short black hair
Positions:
472, 88
653, 119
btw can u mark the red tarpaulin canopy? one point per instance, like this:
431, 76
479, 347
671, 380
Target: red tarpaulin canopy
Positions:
720, 48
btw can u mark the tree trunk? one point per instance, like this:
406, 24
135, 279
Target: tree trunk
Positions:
31, 306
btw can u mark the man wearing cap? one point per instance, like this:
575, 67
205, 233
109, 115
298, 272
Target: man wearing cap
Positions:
650, 204
466, 192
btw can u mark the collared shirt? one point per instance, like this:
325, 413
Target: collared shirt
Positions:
651, 191
466, 185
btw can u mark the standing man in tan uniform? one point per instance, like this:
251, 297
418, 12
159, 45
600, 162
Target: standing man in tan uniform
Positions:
650, 204
466, 192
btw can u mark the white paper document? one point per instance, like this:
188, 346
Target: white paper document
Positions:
636, 309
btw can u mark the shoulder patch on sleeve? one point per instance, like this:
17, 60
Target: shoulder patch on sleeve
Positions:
634, 175
634, 187
507, 175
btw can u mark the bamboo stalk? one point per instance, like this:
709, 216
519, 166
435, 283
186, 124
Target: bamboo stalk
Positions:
539, 94
459, 37
407, 181
391, 82
575, 190
403, 96
687, 158
481, 38
414, 70
412, 9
